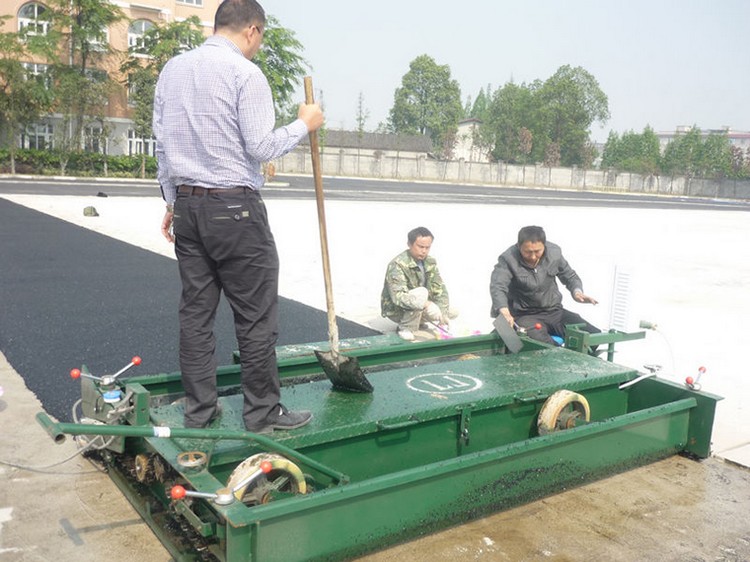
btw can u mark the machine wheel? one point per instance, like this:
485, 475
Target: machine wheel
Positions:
285, 476
561, 410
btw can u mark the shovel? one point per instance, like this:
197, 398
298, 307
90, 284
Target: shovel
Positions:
507, 334
343, 372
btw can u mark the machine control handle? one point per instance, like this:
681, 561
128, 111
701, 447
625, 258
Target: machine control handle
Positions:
106, 379
223, 496
694, 383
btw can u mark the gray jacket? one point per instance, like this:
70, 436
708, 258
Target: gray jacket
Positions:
526, 290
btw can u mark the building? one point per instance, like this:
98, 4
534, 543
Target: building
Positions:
139, 17
354, 143
467, 146
740, 139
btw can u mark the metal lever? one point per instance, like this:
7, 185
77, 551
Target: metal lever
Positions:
693, 384
110, 394
652, 370
223, 496
106, 380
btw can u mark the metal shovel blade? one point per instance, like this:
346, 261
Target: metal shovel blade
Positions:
507, 334
343, 372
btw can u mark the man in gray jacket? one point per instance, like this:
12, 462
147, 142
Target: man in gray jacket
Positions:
524, 287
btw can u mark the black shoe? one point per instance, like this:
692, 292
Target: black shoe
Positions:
218, 411
287, 420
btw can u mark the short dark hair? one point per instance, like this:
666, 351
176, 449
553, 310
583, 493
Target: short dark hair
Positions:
418, 233
532, 234
238, 14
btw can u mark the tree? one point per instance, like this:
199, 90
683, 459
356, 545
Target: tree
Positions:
738, 162
79, 32
715, 157
480, 107
552, 155
525, 143
282, 64
23, 99
144, 63
682, 154
428, 103
363, 114
637, 153
571, 100
513, 108
692, 156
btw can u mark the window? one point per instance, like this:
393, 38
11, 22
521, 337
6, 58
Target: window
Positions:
98, 41
198, 3
38, 136
97, 86
136, 31
138, 145
96, 75
31, 19
93, 139
38, 72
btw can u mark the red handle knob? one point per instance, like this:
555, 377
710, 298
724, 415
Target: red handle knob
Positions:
266, 467
136, 360
75, 373
178, 492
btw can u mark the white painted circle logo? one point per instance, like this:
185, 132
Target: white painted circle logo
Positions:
444, 383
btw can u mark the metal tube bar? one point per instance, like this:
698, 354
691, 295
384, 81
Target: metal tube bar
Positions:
57, 431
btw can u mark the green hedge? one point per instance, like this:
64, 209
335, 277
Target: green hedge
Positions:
48, 162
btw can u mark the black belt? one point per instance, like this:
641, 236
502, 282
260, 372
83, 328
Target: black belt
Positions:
198, 190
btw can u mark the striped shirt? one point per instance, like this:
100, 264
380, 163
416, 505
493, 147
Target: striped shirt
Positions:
214, 119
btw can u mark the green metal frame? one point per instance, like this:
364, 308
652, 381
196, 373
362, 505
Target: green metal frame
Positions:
577, 339
424, 451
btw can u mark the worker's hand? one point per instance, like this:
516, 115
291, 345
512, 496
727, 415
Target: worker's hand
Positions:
580, 297
166, 226
312, 115
444, 321
505, 312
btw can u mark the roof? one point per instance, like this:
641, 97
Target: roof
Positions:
374, 141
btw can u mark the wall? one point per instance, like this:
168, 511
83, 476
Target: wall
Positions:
411, 166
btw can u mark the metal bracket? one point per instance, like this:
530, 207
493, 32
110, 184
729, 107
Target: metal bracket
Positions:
463, 427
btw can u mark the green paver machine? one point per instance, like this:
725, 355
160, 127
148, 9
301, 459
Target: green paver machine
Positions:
454, 429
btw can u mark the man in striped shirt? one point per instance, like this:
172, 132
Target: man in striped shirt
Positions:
214, 124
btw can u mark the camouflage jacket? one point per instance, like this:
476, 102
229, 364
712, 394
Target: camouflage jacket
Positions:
402, 276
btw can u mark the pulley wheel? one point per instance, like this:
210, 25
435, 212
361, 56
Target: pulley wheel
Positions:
285, 476
561, 411
192, 459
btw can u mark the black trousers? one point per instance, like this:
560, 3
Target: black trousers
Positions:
224, 244
552, 324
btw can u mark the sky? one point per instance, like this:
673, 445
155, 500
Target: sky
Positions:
661, 63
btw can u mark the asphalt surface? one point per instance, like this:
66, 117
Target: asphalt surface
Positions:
72, 297
364, 190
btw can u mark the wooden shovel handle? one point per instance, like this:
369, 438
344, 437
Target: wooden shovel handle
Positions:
333, 331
